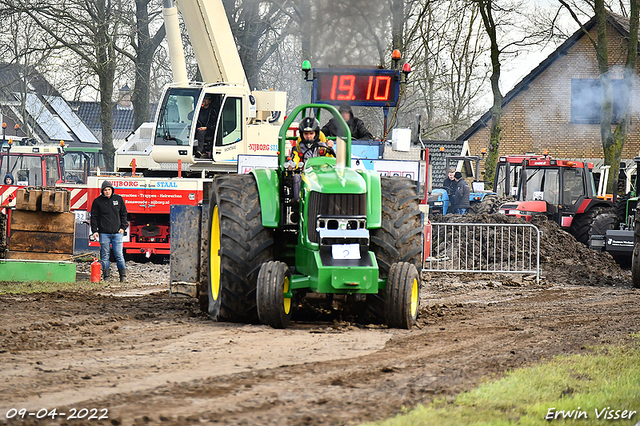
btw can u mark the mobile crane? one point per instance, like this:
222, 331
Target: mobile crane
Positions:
245, 119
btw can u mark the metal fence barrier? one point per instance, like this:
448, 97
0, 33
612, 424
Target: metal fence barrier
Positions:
483, 247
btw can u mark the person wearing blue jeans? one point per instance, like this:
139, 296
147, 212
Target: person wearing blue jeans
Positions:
108, 222
114, 241
461, 195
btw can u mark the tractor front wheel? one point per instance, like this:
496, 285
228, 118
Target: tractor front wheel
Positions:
273, 294
402, 295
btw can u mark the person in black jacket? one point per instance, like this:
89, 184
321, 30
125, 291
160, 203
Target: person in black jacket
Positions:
206, 127
449, 184
461, 202
108, 223
358, 129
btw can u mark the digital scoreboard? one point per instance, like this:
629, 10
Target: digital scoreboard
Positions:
357, 86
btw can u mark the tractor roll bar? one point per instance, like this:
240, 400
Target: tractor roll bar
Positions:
282, 137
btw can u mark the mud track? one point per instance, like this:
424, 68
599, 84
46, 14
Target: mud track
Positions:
155, 359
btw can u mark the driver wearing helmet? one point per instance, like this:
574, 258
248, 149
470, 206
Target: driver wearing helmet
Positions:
311, 142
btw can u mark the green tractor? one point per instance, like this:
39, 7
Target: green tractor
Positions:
351, 236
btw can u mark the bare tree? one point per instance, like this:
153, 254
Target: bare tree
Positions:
25, 54
144, 48
90, 29
612, 142
486, 10
259, 27
506, 25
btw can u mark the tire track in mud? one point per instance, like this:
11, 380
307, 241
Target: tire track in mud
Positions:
157, 360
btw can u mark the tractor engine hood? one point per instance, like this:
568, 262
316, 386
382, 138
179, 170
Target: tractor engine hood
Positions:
524, 209
438, 194
322, 175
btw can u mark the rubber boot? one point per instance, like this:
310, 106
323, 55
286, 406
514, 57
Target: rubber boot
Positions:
123, 275
106, 272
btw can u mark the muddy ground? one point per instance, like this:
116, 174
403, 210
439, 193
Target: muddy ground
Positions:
149, 358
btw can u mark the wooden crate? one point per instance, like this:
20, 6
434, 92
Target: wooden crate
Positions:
41, 232
55, 200
27, 255
29, 199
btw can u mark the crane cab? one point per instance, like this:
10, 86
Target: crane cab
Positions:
234, 125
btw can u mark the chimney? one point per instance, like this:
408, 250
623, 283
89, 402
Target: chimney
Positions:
125, 97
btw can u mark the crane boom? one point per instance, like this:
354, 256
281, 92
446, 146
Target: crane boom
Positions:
212, 41
176, 50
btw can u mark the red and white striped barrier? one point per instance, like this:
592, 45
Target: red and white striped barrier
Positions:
78, 199
8, 194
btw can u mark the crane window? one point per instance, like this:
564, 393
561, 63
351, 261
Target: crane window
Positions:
174, 120
230, 127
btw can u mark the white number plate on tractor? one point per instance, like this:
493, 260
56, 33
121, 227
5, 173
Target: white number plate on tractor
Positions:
345, 251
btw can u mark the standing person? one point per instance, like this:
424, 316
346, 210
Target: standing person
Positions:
358, 129
108, 222
206, 126
450, 182
461, 195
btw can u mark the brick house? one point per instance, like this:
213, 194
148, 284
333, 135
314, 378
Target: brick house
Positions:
556, 107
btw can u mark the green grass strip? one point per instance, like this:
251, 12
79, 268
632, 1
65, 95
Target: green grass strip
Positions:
567, 390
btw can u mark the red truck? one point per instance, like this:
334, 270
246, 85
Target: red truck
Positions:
148, 202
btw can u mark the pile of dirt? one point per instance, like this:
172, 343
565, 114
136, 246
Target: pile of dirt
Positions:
563, 259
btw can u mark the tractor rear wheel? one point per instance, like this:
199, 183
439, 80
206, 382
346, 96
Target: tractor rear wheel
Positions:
274, 309
635, 260
620, 208
400, 237
582, 225
635, 265
604, 222
402, 295
238, 246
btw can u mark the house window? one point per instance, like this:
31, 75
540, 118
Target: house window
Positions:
586, 98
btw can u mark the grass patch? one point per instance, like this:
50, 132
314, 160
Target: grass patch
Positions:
607, 377
46, 287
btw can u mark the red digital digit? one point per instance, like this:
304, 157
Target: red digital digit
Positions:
369, 88
376, 93
347, 83
334, 85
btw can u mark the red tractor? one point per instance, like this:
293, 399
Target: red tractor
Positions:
563, 190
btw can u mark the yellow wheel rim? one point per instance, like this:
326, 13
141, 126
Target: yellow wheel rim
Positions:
214, 258
414, 298
287, 301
